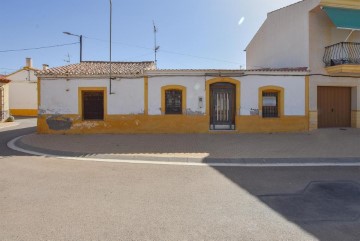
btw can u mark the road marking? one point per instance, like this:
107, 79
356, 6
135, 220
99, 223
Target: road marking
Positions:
11, 144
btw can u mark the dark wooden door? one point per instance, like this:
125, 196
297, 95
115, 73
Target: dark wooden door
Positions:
334, 107
222, 106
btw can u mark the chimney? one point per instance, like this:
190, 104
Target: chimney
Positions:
28, 63
45, 66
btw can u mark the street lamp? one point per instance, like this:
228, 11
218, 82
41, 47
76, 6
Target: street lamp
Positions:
80, 36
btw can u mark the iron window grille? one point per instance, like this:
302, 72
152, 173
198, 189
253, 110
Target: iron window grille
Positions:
93, 105
173, 102
270, 107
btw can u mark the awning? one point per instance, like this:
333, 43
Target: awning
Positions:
344, 18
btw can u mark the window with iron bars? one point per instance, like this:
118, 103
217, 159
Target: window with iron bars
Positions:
270, 105
93, 105
173, 102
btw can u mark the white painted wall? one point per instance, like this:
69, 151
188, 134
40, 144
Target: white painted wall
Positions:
23, 90
23, 95
195, 88
128, 97
294, 93
60, 96
283, 39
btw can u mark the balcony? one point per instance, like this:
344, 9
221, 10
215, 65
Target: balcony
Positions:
342, 58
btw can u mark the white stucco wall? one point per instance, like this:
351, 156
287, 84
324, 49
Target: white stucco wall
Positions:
23, 90
23, 95
60, 96
294, 93
24, 75
195, 88
283, 39
128, 97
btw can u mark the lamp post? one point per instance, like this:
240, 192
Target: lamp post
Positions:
80, 37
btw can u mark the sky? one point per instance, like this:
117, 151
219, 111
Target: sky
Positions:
192, 34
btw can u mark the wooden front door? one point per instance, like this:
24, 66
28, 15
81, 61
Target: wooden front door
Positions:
222, 106
334, 107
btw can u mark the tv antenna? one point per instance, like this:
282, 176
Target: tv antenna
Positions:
156, 47
67, 60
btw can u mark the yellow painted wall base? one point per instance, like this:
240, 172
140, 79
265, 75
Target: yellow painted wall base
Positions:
73, 124
24, 112
313, 120
257, 124
355, 119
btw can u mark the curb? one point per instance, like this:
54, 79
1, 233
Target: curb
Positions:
17, 145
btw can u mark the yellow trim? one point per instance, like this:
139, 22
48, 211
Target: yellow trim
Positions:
223, 80
183, 97
281, 101
146, 95
353, 4
307, 99
126, 124
24, 112
344, 68
81, 90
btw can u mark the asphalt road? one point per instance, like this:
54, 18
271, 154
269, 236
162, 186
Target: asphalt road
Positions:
52, 199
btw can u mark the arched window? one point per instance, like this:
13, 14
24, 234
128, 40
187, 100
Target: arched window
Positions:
271, 101
173, 100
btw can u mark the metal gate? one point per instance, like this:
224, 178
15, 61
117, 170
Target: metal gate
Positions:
222, 99
334, 107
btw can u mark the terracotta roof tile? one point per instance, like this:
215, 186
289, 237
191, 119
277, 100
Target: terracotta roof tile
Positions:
98, 68
3, 79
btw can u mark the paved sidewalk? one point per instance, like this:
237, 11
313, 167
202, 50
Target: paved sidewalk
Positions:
324, 145
8, 124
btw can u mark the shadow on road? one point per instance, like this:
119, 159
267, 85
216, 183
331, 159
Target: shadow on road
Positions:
329, 209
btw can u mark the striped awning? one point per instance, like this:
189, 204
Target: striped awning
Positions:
344, 18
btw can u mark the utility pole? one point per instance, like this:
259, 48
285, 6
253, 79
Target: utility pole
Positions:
156, 47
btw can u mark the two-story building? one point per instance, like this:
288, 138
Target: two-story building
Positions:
323, 36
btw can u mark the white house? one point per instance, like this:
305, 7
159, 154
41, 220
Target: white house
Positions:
323, 36
138, 98
23, 91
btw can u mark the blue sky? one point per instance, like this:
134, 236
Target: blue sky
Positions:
191, 33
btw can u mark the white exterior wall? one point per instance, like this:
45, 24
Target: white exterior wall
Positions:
195, 88
60, 96
23, 90
128, 97
283, 39
294, 93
